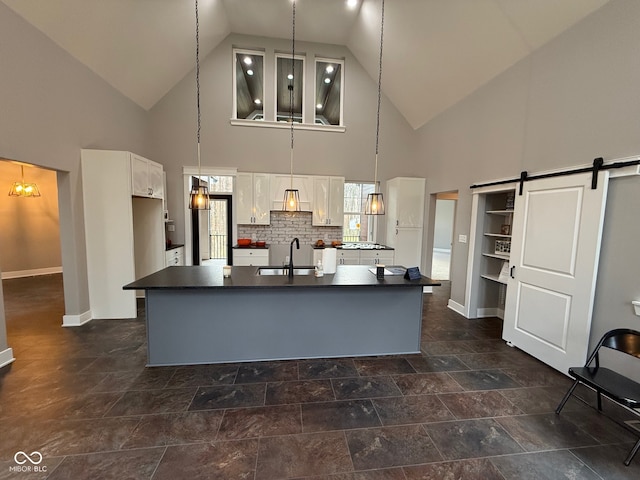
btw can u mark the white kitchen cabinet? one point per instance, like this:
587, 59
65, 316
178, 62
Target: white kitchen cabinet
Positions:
281, 182
124, 234
377, 257
253, 199
251, 257
147, 178
328, 201
174, 257
405, 202
348, 257
405, 211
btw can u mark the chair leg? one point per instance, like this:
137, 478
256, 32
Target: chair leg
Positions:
632, 453
566, 397
599, 401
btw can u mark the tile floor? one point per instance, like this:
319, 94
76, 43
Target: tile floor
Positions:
468, 408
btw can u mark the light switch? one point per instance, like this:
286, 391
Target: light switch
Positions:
171, 228
462, 238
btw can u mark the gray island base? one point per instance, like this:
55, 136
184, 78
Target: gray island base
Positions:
195, 316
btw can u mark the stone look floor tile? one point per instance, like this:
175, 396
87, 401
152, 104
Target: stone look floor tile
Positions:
267, 372
382, 366
390, 447
471, 439
175, 428
364, 387
260, 422
540, 399
543, 466
228, 460
326, 368
545, 432
474, 469
342, 415
607, 460
140, 402
302, 391
130, 464
203, 376
302, 456
478, 404
228, 396
426, 383
484, 380
412, 409
440, 363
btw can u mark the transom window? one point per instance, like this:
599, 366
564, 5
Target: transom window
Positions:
328, 100
289, 74
248, 84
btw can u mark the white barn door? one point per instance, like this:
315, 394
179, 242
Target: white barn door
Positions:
557, 230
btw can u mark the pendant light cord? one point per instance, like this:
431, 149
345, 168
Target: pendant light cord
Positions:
198, 84
293, 71
375, 175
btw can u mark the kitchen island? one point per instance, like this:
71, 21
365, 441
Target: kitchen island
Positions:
196, 316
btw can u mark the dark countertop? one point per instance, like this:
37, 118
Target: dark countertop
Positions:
342, 247
174, 245
249, 247
201, 277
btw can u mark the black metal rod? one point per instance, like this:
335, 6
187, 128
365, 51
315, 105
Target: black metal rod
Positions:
562, 173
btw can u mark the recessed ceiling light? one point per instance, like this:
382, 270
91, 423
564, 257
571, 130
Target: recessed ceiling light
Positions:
319, 106
257, 101
329, 69
249, 72
327, 80
290, 76
247, 60
352, 3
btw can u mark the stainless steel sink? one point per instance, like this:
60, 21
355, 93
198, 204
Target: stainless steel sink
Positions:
285, 271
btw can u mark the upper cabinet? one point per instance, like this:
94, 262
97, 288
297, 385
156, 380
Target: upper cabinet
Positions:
405, 200
147, 178
253, 198
328, 201
281, 182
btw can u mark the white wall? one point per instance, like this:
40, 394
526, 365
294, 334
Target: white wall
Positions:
52, 106
571, 101
350, 154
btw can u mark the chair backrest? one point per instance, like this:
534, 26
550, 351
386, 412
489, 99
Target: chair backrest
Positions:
623, 340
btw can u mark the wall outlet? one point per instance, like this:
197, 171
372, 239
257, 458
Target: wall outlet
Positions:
171, 228
462, 238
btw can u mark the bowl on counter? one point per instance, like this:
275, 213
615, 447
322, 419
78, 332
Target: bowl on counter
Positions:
244, 242
261, 244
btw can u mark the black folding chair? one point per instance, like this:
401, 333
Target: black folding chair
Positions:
604, 381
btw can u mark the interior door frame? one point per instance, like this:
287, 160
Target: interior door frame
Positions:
229, 201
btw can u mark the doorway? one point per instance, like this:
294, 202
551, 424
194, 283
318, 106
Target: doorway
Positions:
445, 212
211, 232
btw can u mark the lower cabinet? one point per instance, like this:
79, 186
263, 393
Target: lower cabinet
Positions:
376, 257
174, 257
250, 257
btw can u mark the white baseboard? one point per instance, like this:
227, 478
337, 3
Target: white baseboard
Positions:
76, 320
442, 250
6, 357
490, 312
427, 289
31, 273
457, 307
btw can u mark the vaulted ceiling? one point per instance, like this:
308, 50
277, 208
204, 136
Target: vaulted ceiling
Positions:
436, 52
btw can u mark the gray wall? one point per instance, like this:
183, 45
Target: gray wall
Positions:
571, 101
253, 149
29, 227
52, 106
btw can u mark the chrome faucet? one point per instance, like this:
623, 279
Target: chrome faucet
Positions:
297, 242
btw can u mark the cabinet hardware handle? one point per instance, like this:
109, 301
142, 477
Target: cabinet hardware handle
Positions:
513, 269
397, 223
396, 231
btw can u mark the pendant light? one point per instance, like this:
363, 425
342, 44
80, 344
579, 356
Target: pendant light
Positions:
23, 189
375, 202
291, 202
199, 196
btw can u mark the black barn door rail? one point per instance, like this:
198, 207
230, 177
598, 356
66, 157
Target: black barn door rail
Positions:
598, 164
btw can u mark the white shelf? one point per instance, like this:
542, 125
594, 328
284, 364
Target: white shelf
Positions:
499, 212
497, 235
496, 255
493, 278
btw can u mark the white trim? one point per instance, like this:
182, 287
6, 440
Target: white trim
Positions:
210, 171
31, 273
427, 289
442, 250
6, 357
242, 51
297, 126
76, 320
457, 307
490, 312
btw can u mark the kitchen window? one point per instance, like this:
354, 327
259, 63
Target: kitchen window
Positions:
358, 227
248, 85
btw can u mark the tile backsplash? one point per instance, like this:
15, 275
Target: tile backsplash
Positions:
287, 225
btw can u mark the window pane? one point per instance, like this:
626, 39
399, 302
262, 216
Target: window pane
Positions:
286, 70
221, 184
249, 85
328, 106
357, 225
